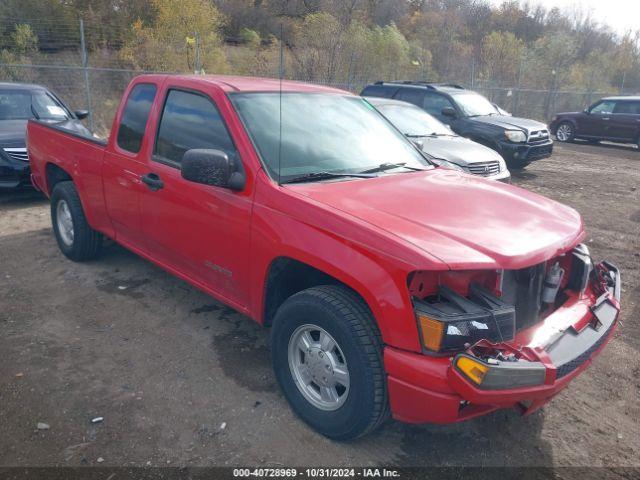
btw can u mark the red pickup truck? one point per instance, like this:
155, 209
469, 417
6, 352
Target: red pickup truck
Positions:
391, 285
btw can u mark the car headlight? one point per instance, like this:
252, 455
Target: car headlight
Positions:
447, 164
498, 375
516, 136
451, 322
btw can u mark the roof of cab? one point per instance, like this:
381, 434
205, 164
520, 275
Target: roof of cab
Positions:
231, 84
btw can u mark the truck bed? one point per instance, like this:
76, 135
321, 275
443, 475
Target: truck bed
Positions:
56, 147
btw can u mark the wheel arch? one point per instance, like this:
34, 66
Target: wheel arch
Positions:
287, 276
383, 291
55, 174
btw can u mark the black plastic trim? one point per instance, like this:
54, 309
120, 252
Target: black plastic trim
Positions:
59, 128
586, 342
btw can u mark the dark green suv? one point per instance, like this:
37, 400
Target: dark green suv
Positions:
520, 141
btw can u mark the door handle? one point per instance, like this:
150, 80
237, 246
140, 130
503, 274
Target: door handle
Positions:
606, 118
152, 181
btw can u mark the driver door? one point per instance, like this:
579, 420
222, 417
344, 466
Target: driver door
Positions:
597, 122
199, 230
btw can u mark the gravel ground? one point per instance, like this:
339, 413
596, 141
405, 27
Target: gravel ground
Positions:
182, 380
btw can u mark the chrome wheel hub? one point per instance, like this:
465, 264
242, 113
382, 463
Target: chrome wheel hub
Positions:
319, 367
564, 132
64, 222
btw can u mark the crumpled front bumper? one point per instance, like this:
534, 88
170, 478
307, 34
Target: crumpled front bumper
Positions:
425, 389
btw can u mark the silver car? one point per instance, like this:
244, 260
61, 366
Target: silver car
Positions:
440, 142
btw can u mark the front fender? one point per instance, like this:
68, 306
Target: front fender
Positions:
382, 286
285, 225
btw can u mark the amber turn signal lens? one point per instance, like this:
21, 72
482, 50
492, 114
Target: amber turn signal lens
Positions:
432, 331
473, 369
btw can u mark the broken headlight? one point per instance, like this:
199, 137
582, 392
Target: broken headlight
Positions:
500, 375
449, 322
581, 268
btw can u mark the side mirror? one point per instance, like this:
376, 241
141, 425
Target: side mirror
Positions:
449, 112
212, 167
587, 111
80, 114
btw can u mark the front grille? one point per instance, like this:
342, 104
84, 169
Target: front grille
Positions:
484, 169
18, 154
538, 136
571, 365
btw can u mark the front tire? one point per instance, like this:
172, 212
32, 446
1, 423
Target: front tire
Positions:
565, 132
76, 239
327, 358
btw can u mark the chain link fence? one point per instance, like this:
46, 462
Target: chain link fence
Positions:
89, 72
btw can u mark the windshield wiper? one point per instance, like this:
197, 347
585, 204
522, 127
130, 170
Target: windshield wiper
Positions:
313, 176
390, 166
490, 114
433, 134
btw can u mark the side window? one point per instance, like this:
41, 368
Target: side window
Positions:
135, 116
604, 108
411, 95
632, 108
434, 103
190, 120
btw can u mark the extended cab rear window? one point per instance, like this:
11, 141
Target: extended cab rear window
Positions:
135, 116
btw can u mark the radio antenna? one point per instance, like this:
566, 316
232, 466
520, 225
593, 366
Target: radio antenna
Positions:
281, 75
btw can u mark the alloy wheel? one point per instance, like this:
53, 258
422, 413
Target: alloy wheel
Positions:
564, 132
319, 367
64, 222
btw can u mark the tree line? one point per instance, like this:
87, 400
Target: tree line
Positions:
343, 42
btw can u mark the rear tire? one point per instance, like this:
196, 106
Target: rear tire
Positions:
329, 329
76, 239
565, 132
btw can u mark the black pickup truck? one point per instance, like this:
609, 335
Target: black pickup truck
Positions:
520, 141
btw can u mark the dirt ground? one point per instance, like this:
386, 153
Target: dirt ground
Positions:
182, 380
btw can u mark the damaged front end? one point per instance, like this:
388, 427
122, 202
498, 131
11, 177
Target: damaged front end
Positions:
517, 338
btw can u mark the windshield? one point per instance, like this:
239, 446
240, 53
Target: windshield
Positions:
473, 104
321, 133
414, 121
25, 104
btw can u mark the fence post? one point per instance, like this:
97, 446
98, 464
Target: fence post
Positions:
473, 72
197, 62
85, 69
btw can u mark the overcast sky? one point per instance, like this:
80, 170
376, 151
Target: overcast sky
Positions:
621, 15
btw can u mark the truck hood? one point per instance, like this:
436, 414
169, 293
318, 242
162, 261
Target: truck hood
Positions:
12, 133
509, 123
465, 221
458, 150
